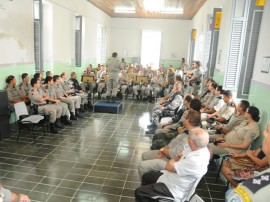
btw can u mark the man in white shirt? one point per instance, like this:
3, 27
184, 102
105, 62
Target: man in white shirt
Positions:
180, 173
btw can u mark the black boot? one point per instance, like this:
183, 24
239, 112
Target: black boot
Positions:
108, 98
72, 116
113, 99
77, 114
53, 128
82, 110
99, 96
150, 99
137, 97
65, 120
58, 124
89, 106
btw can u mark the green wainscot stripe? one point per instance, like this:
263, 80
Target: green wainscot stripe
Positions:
15, 70
259, 96
219, 77
167, 63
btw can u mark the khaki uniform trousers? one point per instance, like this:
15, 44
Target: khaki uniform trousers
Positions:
54, 111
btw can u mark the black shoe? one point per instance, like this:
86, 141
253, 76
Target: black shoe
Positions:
108, 98
113, 99
58, 124
72, 116
152, 131
53, 128
78, 115
151, 126
137, 98
82, 110
66, 121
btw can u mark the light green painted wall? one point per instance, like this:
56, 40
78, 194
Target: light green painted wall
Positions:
259, 96
167, 63
218, 77
15, 70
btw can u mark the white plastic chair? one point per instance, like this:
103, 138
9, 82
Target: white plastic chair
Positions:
24, 118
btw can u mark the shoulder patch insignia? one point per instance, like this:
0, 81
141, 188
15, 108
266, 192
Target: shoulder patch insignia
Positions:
258, 182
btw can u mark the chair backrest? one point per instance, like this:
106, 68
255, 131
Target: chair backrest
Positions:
192, 190
20, 109
196, 198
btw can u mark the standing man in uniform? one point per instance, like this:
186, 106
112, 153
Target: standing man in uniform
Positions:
15, 94
39, 98
196, 79
113, 67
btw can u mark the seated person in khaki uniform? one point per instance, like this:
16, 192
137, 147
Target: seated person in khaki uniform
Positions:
50, 90
237, 119
225, 113
15, 93
255, 189
74, 102
25, 85
239, 139
39, 98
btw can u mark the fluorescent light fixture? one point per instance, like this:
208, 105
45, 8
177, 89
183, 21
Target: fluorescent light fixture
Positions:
124, 10
153, 5
172, 11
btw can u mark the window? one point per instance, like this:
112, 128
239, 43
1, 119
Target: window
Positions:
78, 41
150, 52
38, 16
101, 44
245, 30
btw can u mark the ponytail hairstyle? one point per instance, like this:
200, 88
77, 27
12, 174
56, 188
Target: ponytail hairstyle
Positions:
254, 113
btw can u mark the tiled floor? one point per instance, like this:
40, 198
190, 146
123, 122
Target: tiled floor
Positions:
95, 159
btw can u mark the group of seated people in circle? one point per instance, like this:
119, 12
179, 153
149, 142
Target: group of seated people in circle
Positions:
187, 132
60, 99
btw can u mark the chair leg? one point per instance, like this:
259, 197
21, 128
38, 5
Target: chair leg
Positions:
19, 128
219, 169
43, 127
32, 129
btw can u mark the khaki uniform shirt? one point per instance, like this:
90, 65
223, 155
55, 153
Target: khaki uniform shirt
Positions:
236, 121
35, 95
14, 93
241, 133
226, 111
113, 67
59, 90
25, 87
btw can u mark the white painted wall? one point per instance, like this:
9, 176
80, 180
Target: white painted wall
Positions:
263, 48
199, 22
64, 12
16, 32
126, 34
